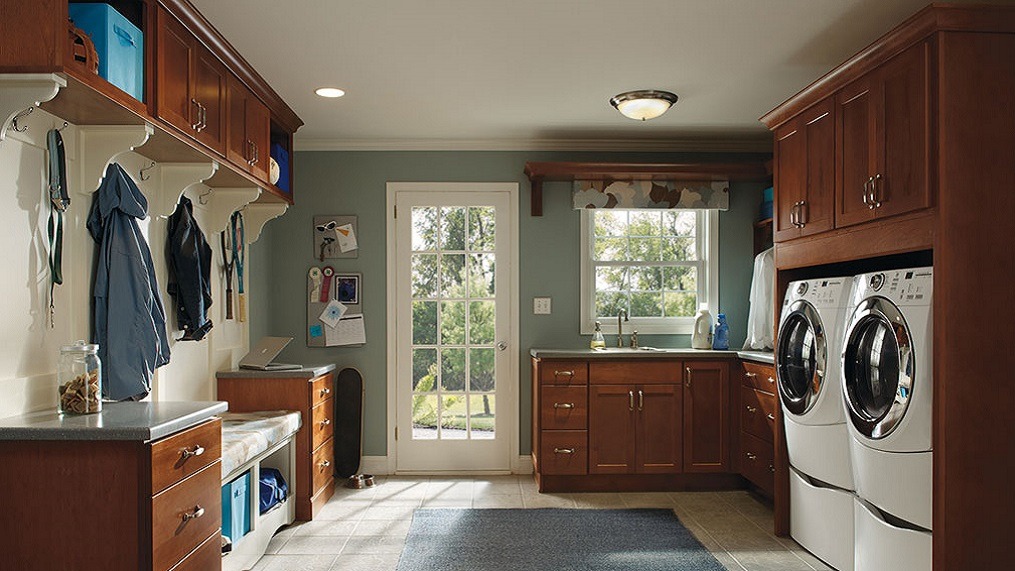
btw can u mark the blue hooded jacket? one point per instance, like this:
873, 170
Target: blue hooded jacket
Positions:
128, 319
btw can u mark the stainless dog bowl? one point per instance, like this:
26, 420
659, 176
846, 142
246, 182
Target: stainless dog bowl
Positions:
360, 481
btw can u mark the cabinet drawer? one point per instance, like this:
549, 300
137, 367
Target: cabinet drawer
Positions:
564, 453
759, 376
563, 408
322, 388
757, 417
322, 468
757, 463
185, 453
564, 373
207, 557
173, 536
322, 417
637, 372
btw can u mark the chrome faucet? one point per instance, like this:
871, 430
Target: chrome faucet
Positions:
620, 327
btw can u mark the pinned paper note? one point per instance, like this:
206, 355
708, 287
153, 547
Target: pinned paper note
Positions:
332, 313
335, 236
316, 331
349, 331
346, 238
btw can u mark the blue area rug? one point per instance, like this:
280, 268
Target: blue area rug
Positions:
552, 540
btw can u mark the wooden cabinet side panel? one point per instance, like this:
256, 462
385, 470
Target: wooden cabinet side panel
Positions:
660, 430
536, 403
611, 429
34, 36
706, 417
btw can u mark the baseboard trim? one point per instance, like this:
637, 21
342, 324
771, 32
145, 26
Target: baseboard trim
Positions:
380, 465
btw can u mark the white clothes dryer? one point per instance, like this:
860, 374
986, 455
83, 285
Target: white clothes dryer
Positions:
807, 369
887, 388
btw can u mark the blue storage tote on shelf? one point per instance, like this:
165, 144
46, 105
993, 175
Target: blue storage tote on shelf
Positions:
236, 508
119, 43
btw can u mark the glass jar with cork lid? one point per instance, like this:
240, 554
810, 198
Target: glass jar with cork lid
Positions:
80, 379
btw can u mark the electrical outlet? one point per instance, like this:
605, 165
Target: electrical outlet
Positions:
541, 306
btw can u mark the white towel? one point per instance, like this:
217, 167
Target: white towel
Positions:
761, 319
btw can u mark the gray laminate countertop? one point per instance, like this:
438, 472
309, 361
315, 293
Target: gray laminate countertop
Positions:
308, 372
144, 421
649, 353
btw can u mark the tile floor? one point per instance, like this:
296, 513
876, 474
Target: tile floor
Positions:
364, 530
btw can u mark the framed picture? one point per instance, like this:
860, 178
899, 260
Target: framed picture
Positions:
347, 288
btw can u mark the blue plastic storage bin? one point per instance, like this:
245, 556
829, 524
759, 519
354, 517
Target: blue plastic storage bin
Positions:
766, 195
236, 508
119, 43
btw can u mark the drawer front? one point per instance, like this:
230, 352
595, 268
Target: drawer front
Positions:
564, 453
207, 557
323, 467
757, 417
635, 372
185, 453
563, 408
322, 388
175, 529
564, 373
759, 376
756, 462
322, 417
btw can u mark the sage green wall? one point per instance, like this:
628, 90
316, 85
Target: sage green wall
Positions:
353, 183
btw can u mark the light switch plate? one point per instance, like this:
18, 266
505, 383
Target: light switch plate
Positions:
541, 305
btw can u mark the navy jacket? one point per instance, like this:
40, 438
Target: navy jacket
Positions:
189, 259
128, 320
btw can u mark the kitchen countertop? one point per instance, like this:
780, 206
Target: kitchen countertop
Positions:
309, 372
650, 353
144, 421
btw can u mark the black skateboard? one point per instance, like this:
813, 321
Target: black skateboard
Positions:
348, 422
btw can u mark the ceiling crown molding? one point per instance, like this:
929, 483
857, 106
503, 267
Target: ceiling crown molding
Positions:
761, 144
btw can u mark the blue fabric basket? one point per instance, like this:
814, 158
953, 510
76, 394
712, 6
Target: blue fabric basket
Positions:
119, 43
236, 508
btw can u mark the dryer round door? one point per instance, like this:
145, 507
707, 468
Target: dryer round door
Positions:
801, 358
877, 367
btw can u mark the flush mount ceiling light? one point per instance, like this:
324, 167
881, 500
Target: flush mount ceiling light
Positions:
329, 92
643, 104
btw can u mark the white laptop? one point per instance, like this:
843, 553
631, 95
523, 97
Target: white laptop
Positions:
261, 356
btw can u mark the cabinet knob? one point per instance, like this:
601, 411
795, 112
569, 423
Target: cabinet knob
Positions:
771, 381
563, 450
770, 416
325, 422
750, 375
771, 468
752, 409
197, 512
752, 456
325, 392
197, 450
563, 405
324, 464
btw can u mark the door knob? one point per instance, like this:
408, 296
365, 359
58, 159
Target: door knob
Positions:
502, 345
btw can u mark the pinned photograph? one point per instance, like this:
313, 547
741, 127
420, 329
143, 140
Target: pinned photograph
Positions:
347, 289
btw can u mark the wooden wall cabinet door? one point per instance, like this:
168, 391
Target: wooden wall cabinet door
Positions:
706, 416
248, 129
856, 112
210, 93
805, 174
612, 429
659, 444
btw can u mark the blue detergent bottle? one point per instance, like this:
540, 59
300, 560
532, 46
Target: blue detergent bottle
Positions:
721, 337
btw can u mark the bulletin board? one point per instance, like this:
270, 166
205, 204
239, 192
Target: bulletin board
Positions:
334, 308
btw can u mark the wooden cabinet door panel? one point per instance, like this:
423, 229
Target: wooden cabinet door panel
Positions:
237, 149
612, 429
659, 442
817, 213
210, 92
904, 133
259, 135
174, 78
706, 416
634, 372
790, 174
563, 408
856, 122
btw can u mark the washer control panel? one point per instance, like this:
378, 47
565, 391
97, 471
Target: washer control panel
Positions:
912, 286
830, 292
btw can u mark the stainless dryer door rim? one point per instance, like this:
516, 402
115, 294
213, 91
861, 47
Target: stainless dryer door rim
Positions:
877, 320
800, 400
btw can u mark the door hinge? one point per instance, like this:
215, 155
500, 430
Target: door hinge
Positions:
396, 212
396, 433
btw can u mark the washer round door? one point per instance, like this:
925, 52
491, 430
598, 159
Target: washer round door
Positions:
877, 367
801, 358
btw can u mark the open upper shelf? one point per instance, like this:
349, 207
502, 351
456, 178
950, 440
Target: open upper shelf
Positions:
537, 172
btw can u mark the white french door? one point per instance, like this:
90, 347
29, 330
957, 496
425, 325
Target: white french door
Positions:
455, 399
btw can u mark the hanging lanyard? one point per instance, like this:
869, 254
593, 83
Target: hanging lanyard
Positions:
59, 201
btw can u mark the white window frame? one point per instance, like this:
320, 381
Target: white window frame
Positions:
708, 283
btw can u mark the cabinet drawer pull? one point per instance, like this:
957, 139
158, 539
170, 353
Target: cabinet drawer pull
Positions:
771, 468
324, 464
197, 450
563, 373
771, 381
752, 456
325, 422
751, 409
563, 450
770, 416
325, 392
750, 375
196, 124
563, 405
197, 512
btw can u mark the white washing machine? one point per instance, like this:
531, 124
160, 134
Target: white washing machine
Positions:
887, 387
817, 440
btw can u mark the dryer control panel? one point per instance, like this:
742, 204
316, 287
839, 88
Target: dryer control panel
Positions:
830, 292
904, 287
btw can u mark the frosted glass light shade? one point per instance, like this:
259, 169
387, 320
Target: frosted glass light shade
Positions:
644, 104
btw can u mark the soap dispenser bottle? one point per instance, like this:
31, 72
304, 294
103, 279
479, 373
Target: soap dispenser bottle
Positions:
721, 337
598, 341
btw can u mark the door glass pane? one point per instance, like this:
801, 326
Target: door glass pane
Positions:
481, 275
481, 416
424, 275
424, 370
454, 418
452, 235
424, 228
481, 228
872, 368
424, 323
453, 323
797, 357
452, 369
482, 322
424, 417
453, 275
481, 369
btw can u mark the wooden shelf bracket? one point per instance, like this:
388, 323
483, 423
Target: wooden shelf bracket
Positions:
20, 91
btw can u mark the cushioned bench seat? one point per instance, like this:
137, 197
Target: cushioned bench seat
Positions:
245, 435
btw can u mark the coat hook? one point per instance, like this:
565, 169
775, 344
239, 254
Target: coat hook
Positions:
65, 125
202, 199
23, 114
141, 173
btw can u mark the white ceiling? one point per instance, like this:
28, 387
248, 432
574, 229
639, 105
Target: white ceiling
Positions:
533, 73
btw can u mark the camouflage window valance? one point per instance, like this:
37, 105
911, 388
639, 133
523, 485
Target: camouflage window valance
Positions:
636, 194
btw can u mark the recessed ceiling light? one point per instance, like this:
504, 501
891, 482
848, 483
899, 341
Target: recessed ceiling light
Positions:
643, 104
329, 92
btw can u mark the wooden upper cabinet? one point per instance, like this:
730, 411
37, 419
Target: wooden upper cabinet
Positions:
706, 416
210, 93
249, 129
884, 126
805, 174
660, 443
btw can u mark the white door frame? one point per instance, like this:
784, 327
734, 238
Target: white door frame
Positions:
513, 298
